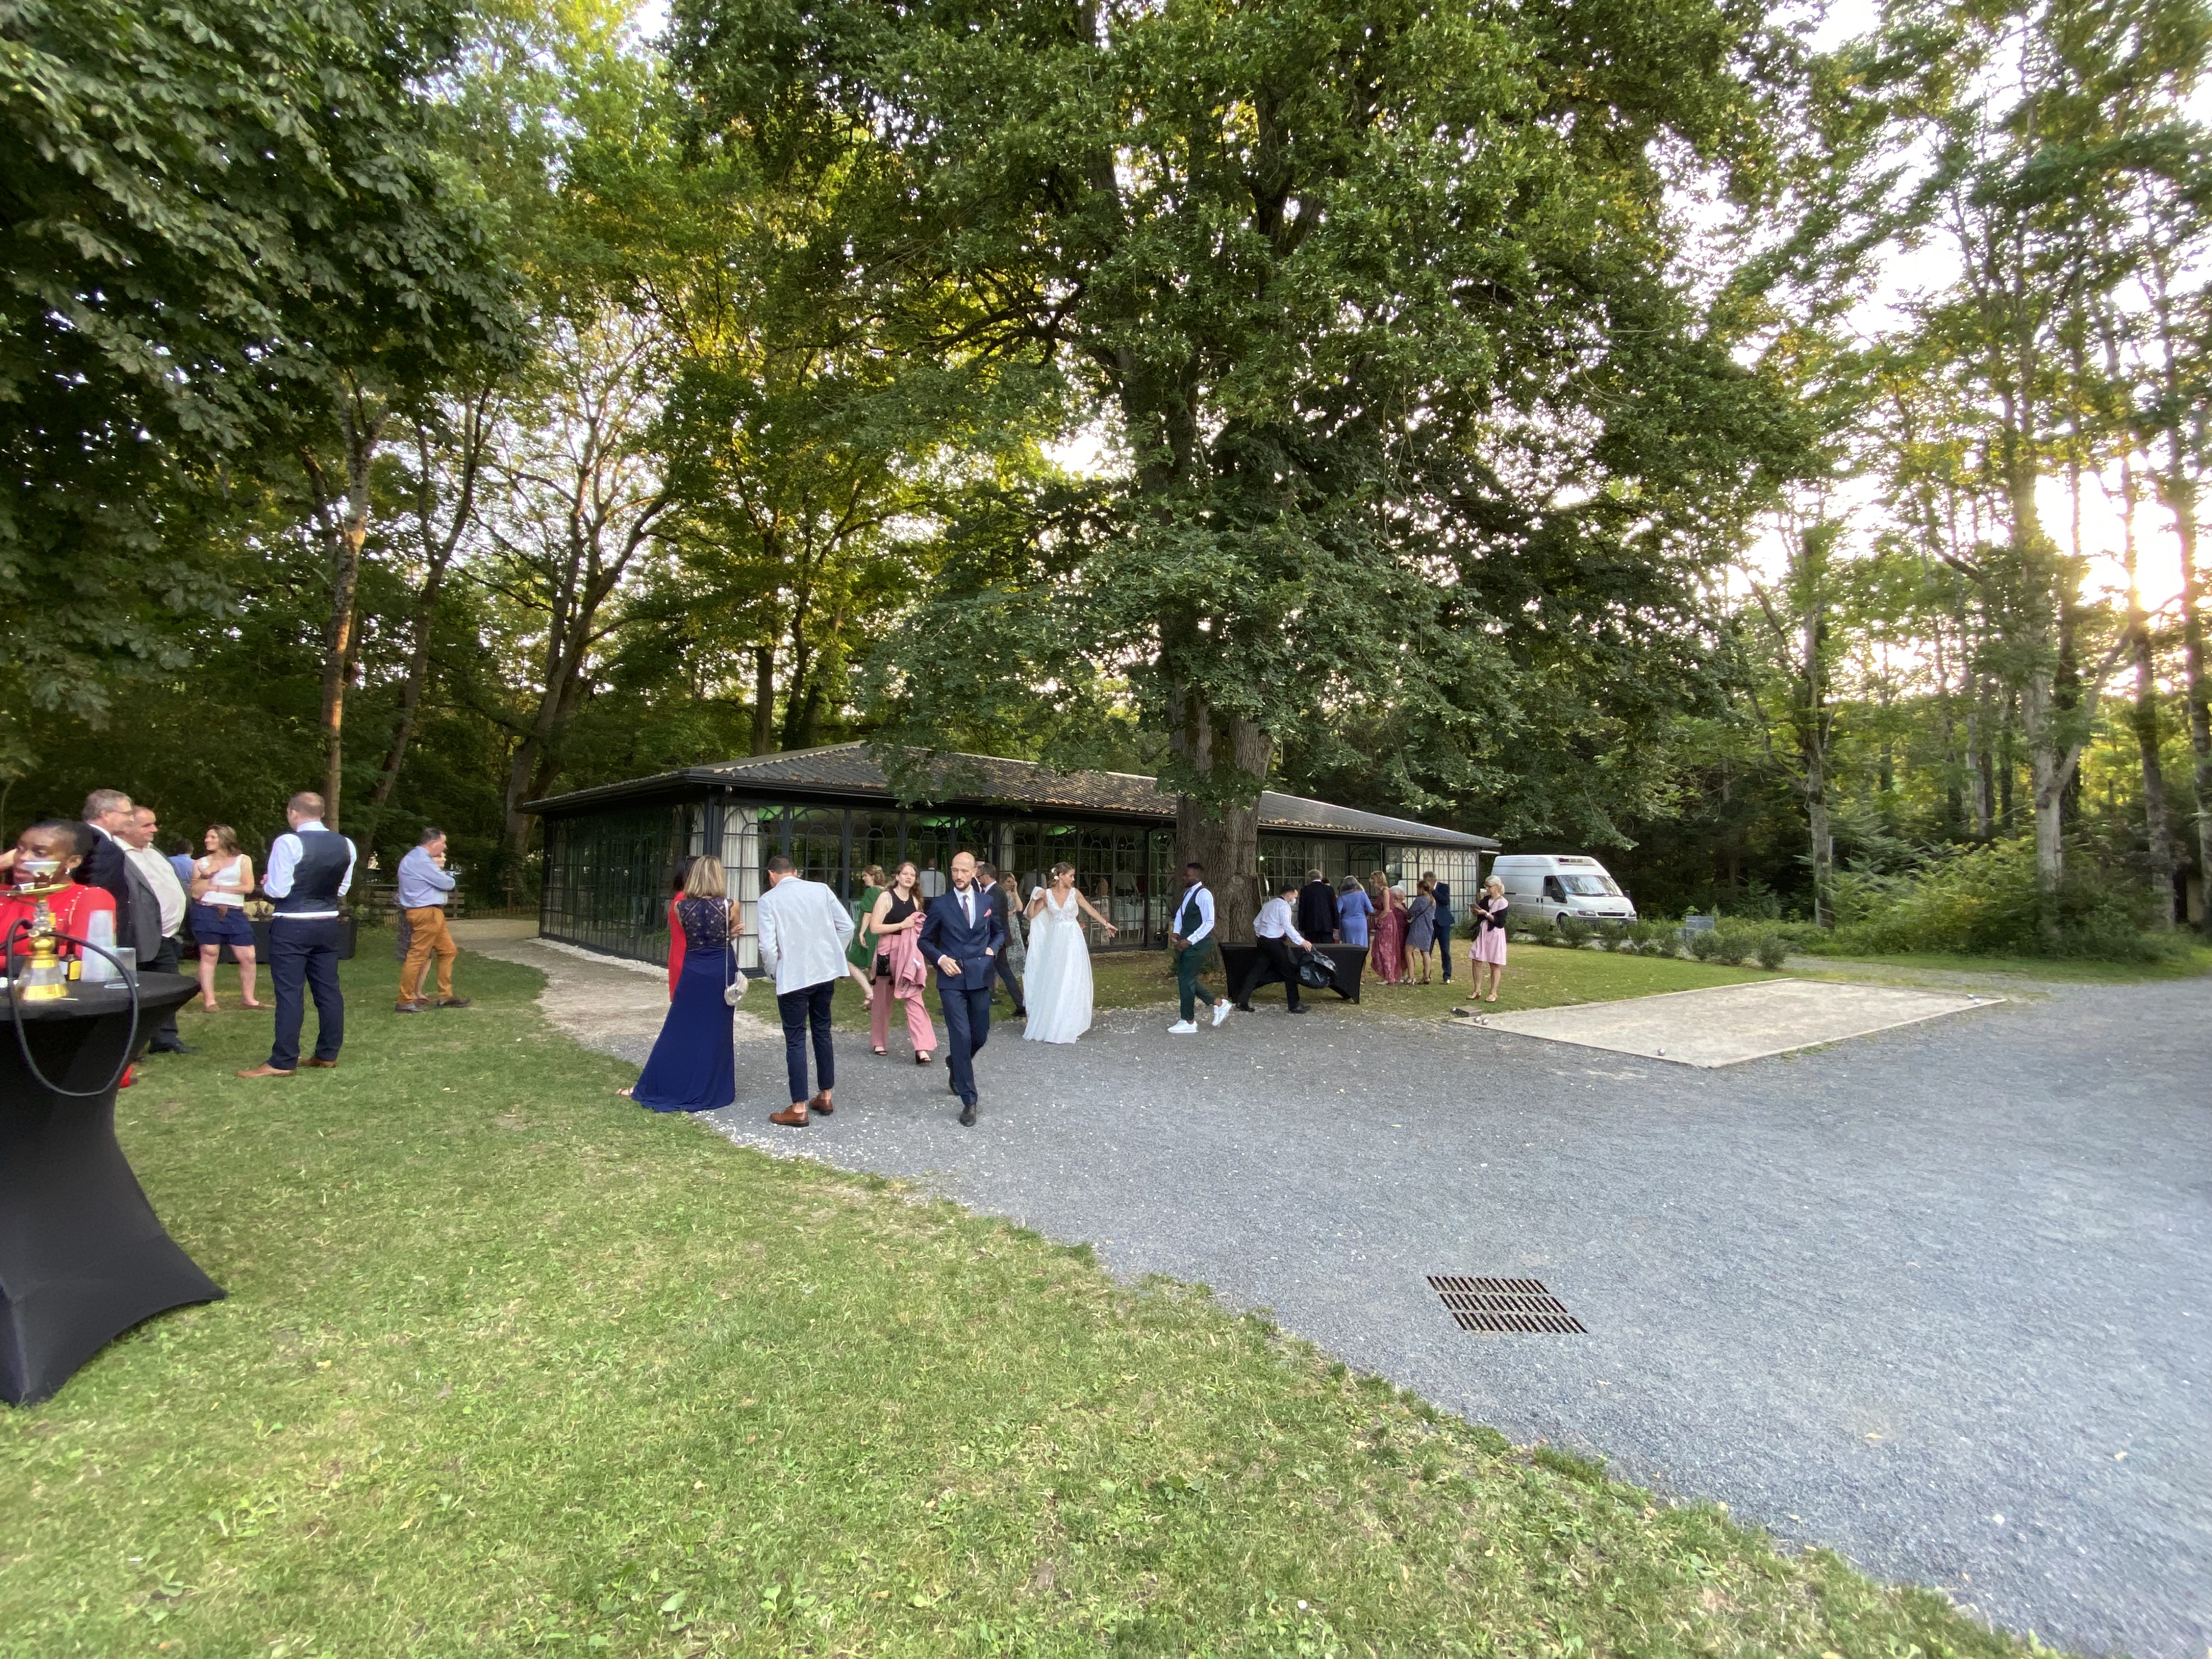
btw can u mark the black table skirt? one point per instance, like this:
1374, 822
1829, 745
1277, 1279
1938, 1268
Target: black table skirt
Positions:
348, 937
1346, 963
82, 1255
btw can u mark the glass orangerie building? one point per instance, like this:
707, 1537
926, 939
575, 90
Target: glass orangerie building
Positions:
610, 852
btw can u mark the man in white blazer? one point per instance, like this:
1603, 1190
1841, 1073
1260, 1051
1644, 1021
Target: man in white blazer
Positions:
804, 930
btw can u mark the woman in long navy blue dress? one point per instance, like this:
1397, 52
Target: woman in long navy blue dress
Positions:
693, 1067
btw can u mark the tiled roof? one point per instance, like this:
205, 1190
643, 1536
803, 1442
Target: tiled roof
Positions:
847, 770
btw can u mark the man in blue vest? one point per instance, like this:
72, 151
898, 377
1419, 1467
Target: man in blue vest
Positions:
308, 873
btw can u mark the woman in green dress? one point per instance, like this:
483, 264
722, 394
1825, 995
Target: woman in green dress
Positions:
861, 954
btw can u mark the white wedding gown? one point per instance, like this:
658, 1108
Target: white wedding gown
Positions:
1057, 987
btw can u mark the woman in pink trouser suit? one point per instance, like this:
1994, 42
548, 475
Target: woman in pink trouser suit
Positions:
900, 972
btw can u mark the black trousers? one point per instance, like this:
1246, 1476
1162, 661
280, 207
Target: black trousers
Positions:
303, 956
1005, 970
1445, 925
165, 962
1274, 953
801, 1012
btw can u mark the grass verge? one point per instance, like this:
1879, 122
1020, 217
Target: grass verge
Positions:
509, 1367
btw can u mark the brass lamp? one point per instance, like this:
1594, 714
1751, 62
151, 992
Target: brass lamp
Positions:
44, 978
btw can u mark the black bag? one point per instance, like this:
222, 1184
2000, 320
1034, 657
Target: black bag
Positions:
1315, 973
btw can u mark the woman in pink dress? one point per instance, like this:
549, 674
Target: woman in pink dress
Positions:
1490, 939
1388, 953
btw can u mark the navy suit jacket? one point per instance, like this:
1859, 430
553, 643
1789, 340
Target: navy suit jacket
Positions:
946, 932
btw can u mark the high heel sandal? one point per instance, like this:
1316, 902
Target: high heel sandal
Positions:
878, 1051
920, 1058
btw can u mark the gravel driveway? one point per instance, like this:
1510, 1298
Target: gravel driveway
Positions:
1940, 1298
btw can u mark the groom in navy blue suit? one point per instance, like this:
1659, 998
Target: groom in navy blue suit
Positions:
961, 938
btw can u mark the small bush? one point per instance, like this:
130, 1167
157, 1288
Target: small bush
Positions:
1706, 945
1572, 932
1984, 902
1734, 943
1774, 950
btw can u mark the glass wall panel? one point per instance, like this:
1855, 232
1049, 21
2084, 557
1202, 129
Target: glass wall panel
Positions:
749, 833
932, 838
875, 841
609, 876
818, 845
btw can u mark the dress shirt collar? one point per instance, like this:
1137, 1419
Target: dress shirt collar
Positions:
302, 829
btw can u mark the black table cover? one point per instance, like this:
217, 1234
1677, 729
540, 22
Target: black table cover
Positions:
1346, 963
83, 1256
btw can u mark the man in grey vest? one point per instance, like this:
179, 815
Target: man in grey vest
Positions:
309, 871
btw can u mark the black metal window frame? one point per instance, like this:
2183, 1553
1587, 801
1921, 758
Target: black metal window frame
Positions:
608, 873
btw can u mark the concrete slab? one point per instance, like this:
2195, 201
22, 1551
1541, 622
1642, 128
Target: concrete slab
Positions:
1727, 1025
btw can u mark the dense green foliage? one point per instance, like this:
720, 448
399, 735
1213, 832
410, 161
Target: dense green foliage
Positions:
1500, 414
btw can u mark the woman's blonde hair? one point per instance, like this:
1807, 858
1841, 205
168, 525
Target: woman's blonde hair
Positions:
1493, 885
1063, 868
873, 875
706, 879
905, 864
228, 837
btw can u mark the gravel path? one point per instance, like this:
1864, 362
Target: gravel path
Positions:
1940, 1298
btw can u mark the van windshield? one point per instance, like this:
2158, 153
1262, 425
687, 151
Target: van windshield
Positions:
1591, 886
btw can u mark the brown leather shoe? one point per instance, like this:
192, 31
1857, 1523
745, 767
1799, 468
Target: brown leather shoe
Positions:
265, 1070
793, 1118
320, 1065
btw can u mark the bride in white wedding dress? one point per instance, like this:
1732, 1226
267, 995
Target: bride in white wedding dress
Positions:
1057, 987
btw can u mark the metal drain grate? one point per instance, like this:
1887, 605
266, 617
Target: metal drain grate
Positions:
1504, 1304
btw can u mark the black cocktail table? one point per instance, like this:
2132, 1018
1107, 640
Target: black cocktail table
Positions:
83, 1256
1345, 962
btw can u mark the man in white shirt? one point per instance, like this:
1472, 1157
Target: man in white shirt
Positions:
1191, 931
804, 930
161, 878
424, 886
307, 874
930, 884
1275, 932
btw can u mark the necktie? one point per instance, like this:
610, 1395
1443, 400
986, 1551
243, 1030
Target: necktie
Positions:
967, 904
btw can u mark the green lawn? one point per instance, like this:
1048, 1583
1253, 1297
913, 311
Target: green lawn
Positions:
509, 1367
2060, 969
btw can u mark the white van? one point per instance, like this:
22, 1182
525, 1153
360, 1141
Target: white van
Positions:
1542, 887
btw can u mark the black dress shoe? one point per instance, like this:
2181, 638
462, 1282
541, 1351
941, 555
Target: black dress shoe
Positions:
1297, 1007
170, 1049
968, 1115
1021, 1013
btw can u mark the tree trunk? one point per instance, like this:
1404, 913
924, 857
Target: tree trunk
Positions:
344, 523
2157, 833
2197, 694
438, 551
1823, 838
1225, 838
764, 699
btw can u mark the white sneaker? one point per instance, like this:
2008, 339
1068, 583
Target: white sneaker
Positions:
1221, 1011
1182, 1028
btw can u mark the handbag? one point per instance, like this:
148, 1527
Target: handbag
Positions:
734, 986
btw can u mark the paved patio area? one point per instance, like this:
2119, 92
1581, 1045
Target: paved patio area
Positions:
1940, 1298
1729, 1025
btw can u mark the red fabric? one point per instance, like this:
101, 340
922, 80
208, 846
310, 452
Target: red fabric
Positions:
675, 950
1387, 950
71, 910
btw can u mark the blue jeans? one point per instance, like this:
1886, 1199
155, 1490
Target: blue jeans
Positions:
801, 1010
303, 956
967, 1029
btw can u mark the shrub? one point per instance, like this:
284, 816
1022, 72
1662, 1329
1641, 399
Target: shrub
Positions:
1984, 901
1572, 932
1774, 950
1705, 944
1733, 942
